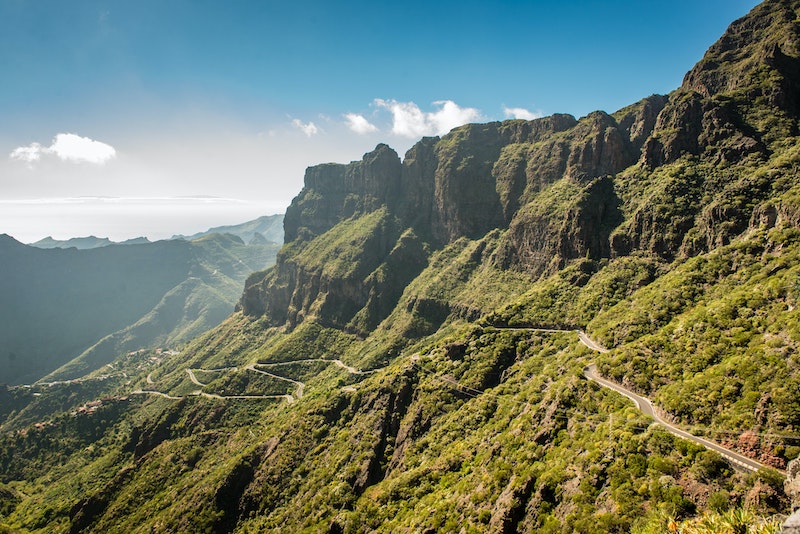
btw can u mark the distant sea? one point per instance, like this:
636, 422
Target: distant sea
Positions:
124, 218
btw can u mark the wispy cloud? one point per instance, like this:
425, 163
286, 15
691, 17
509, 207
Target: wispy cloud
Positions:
67, 147
308, 128
522, 113
359, 124
409, 120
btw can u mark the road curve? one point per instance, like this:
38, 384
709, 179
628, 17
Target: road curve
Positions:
300, 385
583, 336
646, 407
339, 363
194, 379
589, 342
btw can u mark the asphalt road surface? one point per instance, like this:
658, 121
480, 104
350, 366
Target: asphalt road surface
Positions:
646, 407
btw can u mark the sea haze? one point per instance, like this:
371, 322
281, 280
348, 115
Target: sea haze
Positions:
124, 218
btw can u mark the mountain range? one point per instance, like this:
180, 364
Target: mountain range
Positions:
266, 229
66, 312
411, 362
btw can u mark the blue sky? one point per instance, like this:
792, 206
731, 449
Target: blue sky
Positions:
159, 99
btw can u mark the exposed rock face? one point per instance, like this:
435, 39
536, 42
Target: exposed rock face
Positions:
761, 45
334, 192
792, 524
792, 484
551, 185
541, 238
792, 489
639, 120
475, 179
462, 185
690, 124
753, 65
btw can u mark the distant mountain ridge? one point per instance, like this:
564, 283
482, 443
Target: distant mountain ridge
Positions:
85, 243
265, 229
268, 228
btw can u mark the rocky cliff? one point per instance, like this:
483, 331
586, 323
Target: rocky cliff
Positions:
559, 188
476, 179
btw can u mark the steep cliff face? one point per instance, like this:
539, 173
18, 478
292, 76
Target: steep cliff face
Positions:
334, 192
476, 179
355, 268
472, 194
671, 176
742, 95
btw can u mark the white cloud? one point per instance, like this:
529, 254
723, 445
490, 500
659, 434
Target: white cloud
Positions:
409, 120
522, 113
359, 124
307, 128
29, 154
67, 147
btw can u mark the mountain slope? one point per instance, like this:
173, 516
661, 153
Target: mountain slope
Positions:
368, 381
57, 303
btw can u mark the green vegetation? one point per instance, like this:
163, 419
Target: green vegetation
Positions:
68, 312
419, 366
717, 522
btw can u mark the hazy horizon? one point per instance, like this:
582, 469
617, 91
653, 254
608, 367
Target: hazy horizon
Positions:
119, 219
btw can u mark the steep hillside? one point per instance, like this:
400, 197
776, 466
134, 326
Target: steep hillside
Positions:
410, 364
60, 304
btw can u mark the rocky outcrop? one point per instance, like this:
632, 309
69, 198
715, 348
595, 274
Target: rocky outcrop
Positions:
792, 524
639, 120
760, 47
334, 192
792, 489
445, 189
692, 125
751, 72
577, 220
792, 484
472, 194
552, 184
339, 275
598, 147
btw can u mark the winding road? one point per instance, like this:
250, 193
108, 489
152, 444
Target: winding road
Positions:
300, 385
253, 367
590, 372
288, 398
646, 406
338, 363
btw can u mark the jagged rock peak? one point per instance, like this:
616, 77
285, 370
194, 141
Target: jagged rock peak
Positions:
762, 38
335, 191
